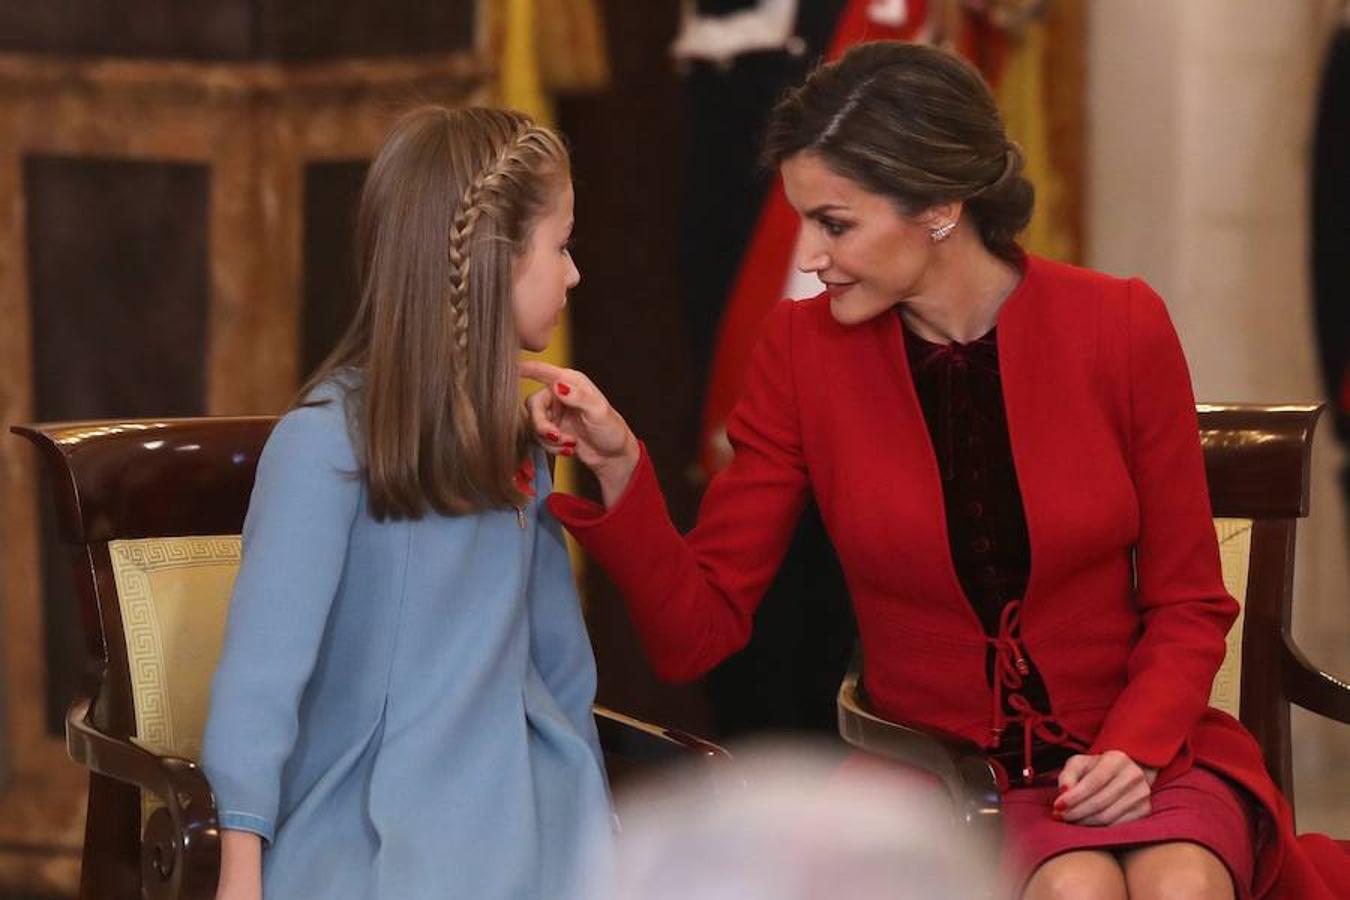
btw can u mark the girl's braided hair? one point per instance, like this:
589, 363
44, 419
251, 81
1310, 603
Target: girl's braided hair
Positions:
447, 209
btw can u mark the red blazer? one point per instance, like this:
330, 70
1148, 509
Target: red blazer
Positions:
1125, 613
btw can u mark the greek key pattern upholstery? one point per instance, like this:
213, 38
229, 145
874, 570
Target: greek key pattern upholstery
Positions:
1235, 546
173, 594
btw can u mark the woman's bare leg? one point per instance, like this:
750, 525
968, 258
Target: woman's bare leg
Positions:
1176, 870
1078, 875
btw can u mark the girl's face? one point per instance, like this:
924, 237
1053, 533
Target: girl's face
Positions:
544, 273
867, 252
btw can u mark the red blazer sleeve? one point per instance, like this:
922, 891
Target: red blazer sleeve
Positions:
693, 598
1185, 608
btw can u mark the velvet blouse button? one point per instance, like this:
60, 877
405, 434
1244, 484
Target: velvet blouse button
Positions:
981, 544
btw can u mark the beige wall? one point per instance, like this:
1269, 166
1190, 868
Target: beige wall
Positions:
1200, 118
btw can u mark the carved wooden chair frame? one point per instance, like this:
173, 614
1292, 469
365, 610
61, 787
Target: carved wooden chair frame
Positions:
1258, 463
121, 480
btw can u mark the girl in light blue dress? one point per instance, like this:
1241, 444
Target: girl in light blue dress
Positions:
402, 709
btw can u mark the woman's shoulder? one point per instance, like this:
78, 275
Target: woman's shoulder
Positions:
1127, 297
1054, 275
1119, 319
811, 314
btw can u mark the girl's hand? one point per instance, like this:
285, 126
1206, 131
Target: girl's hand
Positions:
240, 866
571, 417
1104, 789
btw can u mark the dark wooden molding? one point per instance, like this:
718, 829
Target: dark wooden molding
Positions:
23, 74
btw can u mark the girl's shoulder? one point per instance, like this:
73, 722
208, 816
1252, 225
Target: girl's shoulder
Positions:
325, 421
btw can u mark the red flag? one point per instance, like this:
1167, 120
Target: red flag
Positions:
766, 273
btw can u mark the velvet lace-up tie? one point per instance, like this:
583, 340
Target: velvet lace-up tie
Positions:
1010, 672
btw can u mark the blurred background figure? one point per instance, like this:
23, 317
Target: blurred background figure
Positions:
795, 829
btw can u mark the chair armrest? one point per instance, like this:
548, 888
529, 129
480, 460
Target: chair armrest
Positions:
966, 773
627, 736
633, 747
1311, 688
180, 845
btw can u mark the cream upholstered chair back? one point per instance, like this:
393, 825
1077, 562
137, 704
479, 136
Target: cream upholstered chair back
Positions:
1235, 546
173, 594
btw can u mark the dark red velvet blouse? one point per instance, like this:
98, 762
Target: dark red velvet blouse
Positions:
961, 393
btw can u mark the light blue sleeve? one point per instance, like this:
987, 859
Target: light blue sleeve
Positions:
559, 643
300, 516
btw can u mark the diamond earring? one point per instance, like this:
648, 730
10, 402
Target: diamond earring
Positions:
939, 234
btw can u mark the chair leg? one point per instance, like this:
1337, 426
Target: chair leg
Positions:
110, 868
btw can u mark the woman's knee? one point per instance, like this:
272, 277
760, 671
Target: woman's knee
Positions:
1177, 871
1080, 875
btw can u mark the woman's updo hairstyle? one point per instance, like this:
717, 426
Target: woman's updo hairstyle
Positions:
914, 123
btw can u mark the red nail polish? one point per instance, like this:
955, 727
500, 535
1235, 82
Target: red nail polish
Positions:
1063, 788
564, 389
571, 445
568, 451
1060, 806
552, 436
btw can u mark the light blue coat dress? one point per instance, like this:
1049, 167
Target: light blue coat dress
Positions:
403, 708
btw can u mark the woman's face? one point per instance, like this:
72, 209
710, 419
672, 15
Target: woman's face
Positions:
867, 252
544, 273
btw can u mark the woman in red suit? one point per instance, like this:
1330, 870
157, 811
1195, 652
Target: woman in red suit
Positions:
1005, 452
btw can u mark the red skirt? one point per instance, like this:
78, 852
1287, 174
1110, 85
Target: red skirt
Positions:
1198, 806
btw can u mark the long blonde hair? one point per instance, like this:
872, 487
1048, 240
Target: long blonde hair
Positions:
446, 211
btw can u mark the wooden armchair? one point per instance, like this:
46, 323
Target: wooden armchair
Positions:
1257, 461
152, 512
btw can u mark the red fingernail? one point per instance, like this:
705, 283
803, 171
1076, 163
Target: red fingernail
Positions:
552, 436
1060, 805
564, 389
569, 444
1063, 788
568, 451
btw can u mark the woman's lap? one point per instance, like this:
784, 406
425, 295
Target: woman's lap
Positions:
1198, 807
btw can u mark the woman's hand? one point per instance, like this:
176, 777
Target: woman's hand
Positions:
571, 417
240, 866
1104, 789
